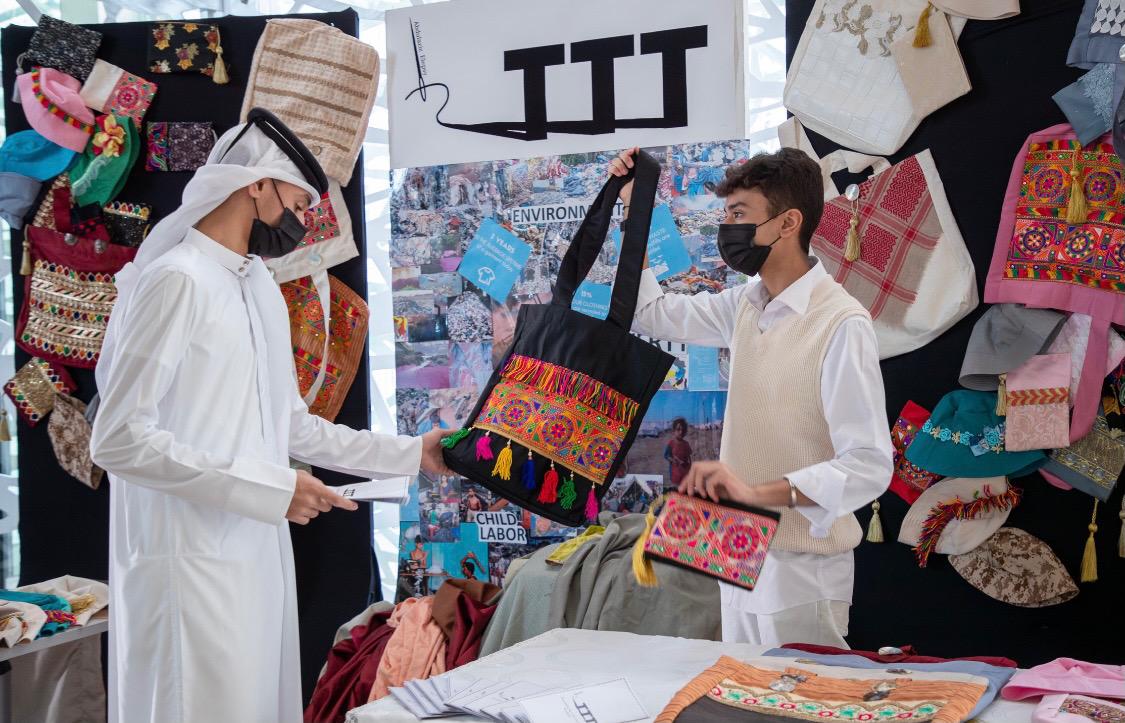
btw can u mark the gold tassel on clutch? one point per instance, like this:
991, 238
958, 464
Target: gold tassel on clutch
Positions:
1002, 397
1076, 211
875, 527
1090, 556
25, 264
922, 37
642, 566
5, 429
219, 74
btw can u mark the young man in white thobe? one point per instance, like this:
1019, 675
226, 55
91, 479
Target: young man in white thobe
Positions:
200, 415
805, 428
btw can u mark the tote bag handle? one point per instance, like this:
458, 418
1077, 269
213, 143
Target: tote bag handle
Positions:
587, 243
792, 134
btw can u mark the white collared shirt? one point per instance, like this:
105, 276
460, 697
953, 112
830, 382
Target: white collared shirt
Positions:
851, 391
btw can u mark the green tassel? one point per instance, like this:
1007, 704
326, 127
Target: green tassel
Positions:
568, 495
451, 441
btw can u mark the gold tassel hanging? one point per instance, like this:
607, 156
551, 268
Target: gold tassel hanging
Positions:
503, 468
1076, 208
642, 566
25, 264
922, 38
1002, 397
1121, 536
875, 527
1090, 556
219, 74
851, 247
5, 430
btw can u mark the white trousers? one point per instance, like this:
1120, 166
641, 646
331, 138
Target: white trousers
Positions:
824, 622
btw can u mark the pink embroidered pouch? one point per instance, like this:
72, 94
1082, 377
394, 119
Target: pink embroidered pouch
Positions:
1038, 411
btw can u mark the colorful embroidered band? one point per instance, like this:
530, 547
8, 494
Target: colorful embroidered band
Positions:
990, 440
34, 388
37, 90
1025, 397
131, 97
945, 512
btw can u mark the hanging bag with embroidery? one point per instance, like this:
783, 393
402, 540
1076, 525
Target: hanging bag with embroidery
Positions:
566, 402
1061, 245
893, 243
866, 72
68, 296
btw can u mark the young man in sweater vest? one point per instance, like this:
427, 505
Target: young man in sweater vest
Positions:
805, 429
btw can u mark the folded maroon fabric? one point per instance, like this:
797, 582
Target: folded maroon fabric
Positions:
462, 613
350, 673
907, 656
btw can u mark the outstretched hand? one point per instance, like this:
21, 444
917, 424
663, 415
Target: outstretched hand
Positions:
311, 497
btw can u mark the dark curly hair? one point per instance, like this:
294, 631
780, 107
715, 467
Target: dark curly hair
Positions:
788, 178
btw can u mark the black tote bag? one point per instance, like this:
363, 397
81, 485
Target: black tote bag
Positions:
562, 409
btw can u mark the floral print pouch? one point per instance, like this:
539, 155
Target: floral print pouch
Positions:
186, 47
178, 145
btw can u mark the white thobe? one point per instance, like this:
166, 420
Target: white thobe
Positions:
851, 392
196, 430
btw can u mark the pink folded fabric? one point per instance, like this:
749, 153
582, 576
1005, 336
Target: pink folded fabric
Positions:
1064, 708
416, 650
1067, 675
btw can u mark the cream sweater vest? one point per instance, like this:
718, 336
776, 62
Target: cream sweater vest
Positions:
774, 422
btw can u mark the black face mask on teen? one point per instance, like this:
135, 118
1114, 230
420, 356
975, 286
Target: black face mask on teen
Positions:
737, 247
275, 241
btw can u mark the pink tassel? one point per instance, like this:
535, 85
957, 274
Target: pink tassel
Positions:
591, 505
550, 491
484, 447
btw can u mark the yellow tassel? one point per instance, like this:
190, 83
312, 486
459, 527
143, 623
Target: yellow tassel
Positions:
503, 468
851, 249
1002, 397
25, 264
875, 527
1090, 556
5, 430
1121, 537
922, 37
1076, 209
642, 566
219, 74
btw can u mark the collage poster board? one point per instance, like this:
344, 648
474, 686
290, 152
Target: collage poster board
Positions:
450, 333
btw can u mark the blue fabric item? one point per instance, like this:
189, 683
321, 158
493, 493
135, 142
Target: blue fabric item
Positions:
1088, 103
17, 196
961, 438
44, 601
30, 154
997, 677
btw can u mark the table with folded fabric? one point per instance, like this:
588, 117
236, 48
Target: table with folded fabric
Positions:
656, 667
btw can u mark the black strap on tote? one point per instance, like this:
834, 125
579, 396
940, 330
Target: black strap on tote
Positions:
587, 243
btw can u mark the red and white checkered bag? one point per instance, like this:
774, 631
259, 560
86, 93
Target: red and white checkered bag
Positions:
913, 272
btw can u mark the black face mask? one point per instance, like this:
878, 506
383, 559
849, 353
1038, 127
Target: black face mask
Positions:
275, 241
737, 247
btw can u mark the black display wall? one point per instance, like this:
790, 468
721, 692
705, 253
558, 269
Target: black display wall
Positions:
64, 526
1015, 65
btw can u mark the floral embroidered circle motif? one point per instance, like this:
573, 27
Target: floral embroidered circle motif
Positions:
1033, 239
314, 312
680, 524
599, 453
1100, 186
1048, 184
515, 412
557, 430
127, 98
1081, 244
739, 542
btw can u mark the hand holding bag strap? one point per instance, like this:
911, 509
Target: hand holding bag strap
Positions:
634, 241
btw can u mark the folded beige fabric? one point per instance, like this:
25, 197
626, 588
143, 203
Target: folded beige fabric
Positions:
319, 81
86, 597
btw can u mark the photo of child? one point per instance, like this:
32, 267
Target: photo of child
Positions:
678, 452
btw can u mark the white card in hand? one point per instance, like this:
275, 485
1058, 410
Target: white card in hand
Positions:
611, 702
393, 489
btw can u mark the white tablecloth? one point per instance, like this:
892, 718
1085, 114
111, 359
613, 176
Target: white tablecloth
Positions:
655, 666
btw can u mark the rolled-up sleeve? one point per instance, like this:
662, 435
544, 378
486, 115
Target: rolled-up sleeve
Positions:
127, 440
852, 395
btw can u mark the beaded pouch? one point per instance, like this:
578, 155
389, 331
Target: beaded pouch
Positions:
35, 387
178, 145
127, 222
726, 541
60, 45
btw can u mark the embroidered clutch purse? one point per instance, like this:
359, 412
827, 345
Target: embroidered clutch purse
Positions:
727, 541
35, 387
60, 45
70, 433
187, 47
126, 222
68, 297
178, 145
1038, 411
563, 407
110, 89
